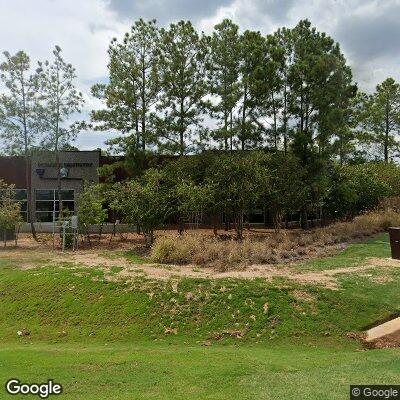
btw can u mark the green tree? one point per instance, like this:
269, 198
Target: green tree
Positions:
189, 200
249, 132
186, 178
10, 209
284, 192
236, 183
91, 210
281, 50
348, 136
59, 100
342, 197
381, 119
267, 84
131, 94
183, 58
223, 71
18, 124
320, 85
368, 185
143, 202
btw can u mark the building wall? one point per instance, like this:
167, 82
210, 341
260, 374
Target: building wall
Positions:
79, 166
13, 171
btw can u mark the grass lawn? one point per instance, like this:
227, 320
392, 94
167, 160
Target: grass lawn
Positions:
154, 371
143, 339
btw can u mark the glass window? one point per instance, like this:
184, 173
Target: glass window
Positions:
44, 205
20, 194
43, 216
68, 205
47, 202
44, 194
67, 195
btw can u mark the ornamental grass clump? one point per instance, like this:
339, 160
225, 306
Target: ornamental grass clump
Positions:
278, 247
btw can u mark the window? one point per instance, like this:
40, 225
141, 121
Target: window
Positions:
47, 206
44, 194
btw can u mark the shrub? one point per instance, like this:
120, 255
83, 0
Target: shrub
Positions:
283, 246
10, 209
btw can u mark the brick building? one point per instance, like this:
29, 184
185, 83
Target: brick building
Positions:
76, 168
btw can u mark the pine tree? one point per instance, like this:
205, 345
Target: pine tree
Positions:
132, 92
224, 79
18, 127
183, 59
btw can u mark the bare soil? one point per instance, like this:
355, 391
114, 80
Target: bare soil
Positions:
31, 254
386, 342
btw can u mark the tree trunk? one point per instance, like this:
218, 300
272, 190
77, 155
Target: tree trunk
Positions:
243, 122
100, 231
275, 124
239, 226
181, 129
226, 130
143, 106
277, 221
29, 202
88, 237
215, 223
386, 144
285, 141
148, 237
304, 219
29, 199
58, 183
181, 227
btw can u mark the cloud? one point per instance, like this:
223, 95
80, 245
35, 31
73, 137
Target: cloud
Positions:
165, 11
368, 31
373, 32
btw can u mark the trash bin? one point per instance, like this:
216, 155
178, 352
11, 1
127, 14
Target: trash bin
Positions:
394, 234
8, 234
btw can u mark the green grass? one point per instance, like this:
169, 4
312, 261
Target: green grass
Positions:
353, 255
103, 339
154, 371
129, 255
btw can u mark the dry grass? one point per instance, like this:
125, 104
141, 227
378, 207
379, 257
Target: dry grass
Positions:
280, 247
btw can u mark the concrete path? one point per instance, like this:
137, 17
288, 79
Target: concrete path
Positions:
388, 328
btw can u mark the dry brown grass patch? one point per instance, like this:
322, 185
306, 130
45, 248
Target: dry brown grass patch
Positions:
279, 247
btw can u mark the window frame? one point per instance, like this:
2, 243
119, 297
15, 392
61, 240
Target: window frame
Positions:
54, 200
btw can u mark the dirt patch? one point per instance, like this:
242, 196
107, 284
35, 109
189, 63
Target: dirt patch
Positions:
384, 262
381, 334
92, 259
301, 295
40, 255
389, 341
325, 278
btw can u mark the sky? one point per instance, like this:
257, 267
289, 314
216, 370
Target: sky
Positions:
367, 30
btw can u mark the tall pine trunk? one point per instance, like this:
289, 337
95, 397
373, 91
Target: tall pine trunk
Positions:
386, 144
28, 180
29, 198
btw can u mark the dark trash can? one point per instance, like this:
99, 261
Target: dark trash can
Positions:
8, 234
394, 234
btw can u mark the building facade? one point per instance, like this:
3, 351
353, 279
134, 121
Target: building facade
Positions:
76, 168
